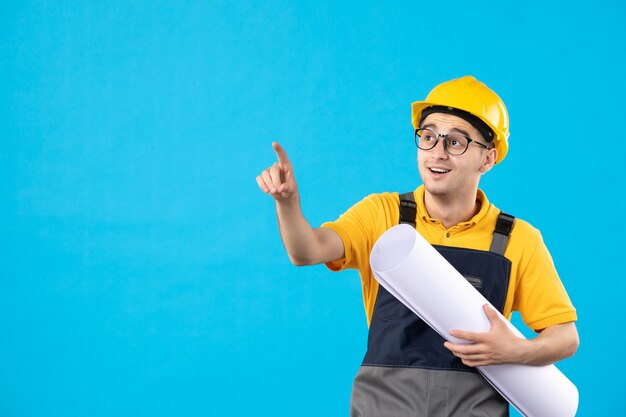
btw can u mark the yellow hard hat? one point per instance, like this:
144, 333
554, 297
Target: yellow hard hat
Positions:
470, 95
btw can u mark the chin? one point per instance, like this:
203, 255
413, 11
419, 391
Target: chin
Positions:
436, 189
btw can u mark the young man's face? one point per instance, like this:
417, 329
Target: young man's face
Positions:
449, 176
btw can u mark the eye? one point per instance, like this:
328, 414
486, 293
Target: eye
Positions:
457, 142
427, 136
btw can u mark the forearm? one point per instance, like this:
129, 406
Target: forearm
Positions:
551, 345
304, 244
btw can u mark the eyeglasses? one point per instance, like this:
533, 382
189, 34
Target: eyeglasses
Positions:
453, 143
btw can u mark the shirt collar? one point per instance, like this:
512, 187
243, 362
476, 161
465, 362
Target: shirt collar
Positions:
422, 213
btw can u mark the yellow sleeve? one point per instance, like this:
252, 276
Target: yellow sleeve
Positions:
540, 296
358, 228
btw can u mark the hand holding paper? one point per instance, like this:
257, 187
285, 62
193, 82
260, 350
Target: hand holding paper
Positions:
497, 346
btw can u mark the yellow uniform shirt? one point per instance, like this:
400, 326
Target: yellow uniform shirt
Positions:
535, 289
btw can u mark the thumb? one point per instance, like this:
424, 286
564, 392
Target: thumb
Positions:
286, 187
491, 314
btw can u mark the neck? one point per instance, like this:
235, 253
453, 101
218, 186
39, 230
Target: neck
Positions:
449, 210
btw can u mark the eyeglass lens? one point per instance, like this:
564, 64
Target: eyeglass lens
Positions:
456, 144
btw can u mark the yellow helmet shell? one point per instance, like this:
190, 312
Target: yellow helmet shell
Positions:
469, 94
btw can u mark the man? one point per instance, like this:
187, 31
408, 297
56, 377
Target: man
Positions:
461, 131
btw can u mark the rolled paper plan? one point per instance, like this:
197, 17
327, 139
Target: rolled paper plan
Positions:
422, 279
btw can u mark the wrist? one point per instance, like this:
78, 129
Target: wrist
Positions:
289, 204
525, 351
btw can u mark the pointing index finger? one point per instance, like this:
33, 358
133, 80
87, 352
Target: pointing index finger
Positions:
280, 153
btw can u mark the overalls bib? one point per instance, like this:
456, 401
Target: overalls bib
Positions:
407, 371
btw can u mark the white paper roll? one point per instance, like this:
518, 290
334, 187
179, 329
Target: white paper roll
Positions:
422, 279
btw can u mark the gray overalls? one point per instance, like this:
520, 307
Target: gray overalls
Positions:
407, 371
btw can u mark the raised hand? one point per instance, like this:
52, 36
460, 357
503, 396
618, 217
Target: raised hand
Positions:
278, 180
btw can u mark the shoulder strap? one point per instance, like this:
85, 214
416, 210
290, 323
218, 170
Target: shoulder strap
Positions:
501, 233
408, 208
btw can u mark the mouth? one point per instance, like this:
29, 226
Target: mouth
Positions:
439, 171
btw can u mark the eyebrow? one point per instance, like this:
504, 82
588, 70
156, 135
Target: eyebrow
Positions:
454, 129
461, 131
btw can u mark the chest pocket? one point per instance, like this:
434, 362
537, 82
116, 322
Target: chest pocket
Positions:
476, 282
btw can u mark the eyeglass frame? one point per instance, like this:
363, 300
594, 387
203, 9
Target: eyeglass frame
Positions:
445, 143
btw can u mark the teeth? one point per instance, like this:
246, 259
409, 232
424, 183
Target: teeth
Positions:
439, 170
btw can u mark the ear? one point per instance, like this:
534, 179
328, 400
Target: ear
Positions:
491, 156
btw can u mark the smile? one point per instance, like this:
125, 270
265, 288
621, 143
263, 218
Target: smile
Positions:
439, 170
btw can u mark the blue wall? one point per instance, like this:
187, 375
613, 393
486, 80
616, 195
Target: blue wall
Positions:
141, 268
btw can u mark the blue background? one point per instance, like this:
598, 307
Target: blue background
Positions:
141, 270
